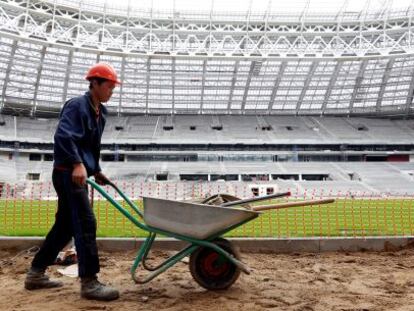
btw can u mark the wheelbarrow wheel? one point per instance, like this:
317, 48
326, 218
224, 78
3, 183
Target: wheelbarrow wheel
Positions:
212, 270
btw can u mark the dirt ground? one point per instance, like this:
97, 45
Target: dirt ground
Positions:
306, 282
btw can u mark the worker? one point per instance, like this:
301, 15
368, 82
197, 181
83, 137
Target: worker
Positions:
77, 144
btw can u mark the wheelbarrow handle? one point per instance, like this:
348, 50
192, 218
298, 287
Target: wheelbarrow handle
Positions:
257, 199
128, 200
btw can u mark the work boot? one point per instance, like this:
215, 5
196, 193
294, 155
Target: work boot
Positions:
91, 288
37, 279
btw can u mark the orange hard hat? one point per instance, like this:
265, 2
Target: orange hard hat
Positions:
104, 71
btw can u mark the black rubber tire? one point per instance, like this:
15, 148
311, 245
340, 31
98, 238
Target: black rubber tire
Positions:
213, 271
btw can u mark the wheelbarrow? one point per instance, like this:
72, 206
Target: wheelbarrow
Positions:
215, 262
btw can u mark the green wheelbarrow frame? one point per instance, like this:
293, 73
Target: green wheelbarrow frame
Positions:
152, 233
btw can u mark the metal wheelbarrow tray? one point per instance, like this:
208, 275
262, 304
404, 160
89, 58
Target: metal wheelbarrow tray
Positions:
214, 262
198, 221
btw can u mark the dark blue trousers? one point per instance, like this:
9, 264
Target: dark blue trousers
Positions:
74, 218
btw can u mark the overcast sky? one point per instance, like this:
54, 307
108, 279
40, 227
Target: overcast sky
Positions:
263, 5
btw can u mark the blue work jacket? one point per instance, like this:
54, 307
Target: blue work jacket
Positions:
78, 134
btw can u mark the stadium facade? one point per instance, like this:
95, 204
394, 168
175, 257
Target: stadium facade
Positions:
226, 92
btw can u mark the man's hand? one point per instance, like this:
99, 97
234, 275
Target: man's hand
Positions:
79, 174
101, 179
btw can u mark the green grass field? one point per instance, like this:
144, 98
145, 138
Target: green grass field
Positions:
345, 217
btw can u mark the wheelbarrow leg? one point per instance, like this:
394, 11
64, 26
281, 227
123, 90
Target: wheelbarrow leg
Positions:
144, 259
162, 267
151, 238
144, 263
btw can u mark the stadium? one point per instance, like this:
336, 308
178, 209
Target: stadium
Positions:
312, 98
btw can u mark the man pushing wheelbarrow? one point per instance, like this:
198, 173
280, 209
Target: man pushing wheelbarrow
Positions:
77, 144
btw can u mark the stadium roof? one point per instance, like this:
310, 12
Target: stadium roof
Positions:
345, 61
293, 8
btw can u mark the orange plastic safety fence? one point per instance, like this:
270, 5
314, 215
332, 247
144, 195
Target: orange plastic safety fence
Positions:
29, 209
